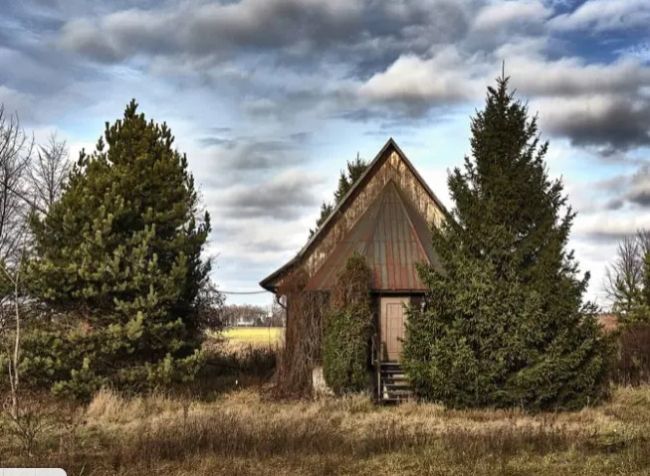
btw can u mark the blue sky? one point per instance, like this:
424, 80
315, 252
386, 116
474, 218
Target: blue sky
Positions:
269, 98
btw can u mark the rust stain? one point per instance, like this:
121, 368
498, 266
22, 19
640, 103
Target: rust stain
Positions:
391, 243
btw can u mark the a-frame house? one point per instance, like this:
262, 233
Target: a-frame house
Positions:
387, 217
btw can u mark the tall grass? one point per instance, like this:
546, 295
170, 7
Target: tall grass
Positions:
229, 426
244, 433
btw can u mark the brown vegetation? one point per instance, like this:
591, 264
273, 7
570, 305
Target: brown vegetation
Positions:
303, 335
243, 433
228, 423
633, 362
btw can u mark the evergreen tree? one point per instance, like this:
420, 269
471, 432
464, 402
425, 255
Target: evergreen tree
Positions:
347, 178
121, 249
505, 323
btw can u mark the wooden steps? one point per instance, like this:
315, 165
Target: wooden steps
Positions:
394, 386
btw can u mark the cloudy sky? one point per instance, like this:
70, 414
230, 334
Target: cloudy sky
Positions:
269, 98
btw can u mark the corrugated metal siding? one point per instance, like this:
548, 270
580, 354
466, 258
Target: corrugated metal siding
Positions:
392, 236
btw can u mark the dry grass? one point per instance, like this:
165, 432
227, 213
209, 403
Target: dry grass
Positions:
242, 432
232, 424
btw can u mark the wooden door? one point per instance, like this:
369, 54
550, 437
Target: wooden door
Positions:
393, 317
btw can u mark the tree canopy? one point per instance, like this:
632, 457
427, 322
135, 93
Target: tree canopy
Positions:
505, 323
122, 248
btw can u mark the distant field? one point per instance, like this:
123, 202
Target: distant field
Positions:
255, 335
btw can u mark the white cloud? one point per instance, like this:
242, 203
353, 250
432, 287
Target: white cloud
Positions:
610, 226
444, 78
208, 29
610, 122
603, 15
573, 76
499, 15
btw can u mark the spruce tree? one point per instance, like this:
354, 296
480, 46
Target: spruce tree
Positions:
505, 323
347, 178
120, 253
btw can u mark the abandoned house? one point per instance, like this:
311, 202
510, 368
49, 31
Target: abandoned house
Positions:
386, 217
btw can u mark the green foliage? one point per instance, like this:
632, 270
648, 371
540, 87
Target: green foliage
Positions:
504, 324
645, 293
628, 279
355, 169
348, 328
120, 252
639, 312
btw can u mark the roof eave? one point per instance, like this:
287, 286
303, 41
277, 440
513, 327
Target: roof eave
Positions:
269, 283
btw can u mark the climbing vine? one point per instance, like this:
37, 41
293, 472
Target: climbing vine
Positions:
347, 329
303, 333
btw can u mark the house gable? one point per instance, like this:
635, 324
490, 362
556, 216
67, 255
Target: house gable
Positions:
389, 166
392, 237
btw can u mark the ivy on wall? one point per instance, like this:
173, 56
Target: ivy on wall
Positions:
303, 335
347, 329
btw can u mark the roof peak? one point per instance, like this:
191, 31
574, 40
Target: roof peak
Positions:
391, 236
374, 165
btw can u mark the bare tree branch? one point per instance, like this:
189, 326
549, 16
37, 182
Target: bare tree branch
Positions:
14, 276
48, 174
16, 149
625, 277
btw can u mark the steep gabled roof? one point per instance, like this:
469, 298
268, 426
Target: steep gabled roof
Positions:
393, 237
270, 281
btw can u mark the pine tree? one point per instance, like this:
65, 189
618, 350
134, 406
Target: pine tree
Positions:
347, 178
121, 252
505, 323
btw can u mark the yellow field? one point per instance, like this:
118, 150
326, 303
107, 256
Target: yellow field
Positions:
255, 335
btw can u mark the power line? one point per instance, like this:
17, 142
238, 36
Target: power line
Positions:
242, 292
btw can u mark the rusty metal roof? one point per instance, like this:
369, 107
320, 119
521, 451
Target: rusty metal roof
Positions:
270, 282
608, 322
393, 237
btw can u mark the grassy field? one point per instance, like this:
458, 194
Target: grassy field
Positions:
229, 422
255, 335
246, 431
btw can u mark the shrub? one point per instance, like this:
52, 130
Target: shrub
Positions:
73, 360
248, 360
633, 359
348, 328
